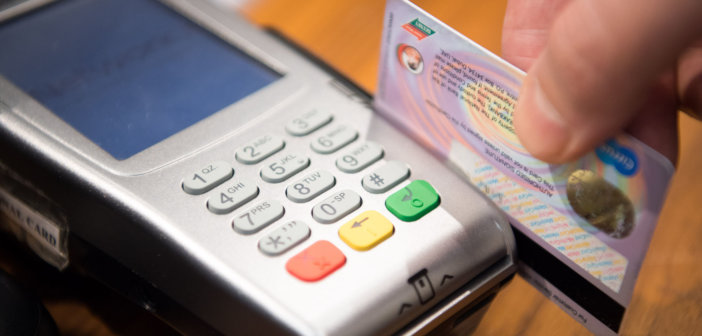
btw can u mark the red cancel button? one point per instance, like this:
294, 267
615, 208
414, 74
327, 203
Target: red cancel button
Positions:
316, 262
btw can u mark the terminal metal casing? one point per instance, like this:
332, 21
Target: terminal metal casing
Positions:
136, 213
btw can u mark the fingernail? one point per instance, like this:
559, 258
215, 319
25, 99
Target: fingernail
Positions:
540, 127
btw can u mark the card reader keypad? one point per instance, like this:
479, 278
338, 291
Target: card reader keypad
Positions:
413, 201
258, 217
334, 139
336, 206
283, 167
310, 186
385, 177
359, 157
284, 238
231, 195
366, 230
362, 233
259, 149
308, 122
207, 177
316, 262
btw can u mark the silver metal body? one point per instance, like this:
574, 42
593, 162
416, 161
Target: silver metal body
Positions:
136, 211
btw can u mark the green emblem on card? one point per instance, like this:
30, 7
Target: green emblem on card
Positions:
422, 27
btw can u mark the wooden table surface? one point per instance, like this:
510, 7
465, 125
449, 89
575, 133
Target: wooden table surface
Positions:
346, 34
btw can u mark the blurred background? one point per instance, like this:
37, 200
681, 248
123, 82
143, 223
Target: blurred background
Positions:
346, 35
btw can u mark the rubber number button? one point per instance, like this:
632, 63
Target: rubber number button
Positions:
336, 206
207, 177
334, 139
259, 149
284, 167
310, 186
258, 217
359, 157
232, 195
308, 122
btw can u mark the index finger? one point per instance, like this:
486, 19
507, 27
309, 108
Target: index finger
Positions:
600, 63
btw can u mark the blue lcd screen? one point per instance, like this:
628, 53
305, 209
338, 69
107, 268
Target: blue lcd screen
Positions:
127, 74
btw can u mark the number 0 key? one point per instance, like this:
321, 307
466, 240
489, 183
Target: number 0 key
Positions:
336, 206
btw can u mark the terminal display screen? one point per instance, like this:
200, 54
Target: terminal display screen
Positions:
126, 74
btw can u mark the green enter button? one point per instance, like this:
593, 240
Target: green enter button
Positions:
413, 201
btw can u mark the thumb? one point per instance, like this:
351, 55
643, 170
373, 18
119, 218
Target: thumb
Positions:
601, 60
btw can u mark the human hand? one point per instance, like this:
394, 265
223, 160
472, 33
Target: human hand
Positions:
600, 67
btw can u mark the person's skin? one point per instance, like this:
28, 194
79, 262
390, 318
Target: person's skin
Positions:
600, 67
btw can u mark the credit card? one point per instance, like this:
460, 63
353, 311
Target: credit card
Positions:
582, 228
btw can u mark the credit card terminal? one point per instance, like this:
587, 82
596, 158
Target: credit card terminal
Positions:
227, 182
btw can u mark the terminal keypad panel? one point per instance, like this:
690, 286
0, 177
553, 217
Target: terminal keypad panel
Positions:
237, 198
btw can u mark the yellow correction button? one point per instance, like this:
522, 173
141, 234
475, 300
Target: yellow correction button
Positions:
366, 230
